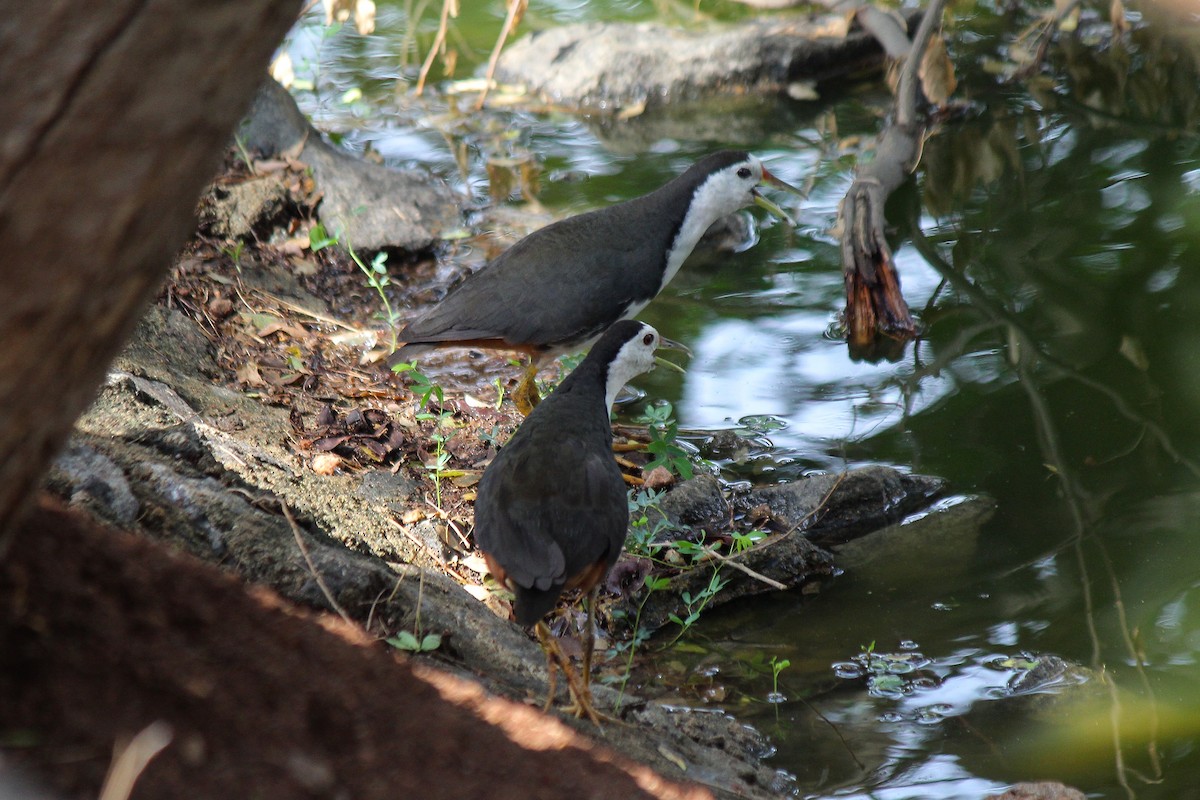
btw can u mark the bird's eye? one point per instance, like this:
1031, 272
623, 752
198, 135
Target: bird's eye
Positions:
648, 339
744, 172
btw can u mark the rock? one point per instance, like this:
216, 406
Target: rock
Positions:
608, 68
658, 478
942, 543
1042, 790
370, 207
239, 210
697, 503
89, 479
833, 508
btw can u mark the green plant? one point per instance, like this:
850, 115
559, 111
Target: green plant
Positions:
243, 153
696, 605
499, 384
421, 386
744, 541
491, 437
778, 665
234, 252
641, 539
376, 272
319, 238
441, 456
664, 448
405, 640
443, 428
639, 636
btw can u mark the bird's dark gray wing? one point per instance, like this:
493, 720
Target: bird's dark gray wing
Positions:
556, 285
551, 509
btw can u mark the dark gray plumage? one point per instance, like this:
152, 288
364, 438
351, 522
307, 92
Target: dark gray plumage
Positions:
561, 286
551, 511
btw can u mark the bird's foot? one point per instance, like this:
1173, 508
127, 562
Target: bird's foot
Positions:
582, 706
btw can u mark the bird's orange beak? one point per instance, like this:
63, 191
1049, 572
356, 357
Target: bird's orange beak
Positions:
762, 202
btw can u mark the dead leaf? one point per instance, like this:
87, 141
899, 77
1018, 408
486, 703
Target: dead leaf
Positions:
267, 166
632, 110
326, 463
283, 71
1070, 22
248, 374
304, 267
330, 442
475, 563
220, 307
413, 515
937, 73
480, 593
286, 379
803, 90
291, 329
337, 10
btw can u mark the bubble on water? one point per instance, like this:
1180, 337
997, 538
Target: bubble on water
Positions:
850, 670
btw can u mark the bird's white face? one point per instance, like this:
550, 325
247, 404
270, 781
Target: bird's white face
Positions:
728, 190
635, 357
723, 193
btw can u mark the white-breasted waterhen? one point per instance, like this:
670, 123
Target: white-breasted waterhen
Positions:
561, 286
551, 511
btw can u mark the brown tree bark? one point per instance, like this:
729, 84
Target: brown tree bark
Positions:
112, 117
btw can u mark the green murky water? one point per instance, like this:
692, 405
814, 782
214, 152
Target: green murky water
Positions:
1051, 247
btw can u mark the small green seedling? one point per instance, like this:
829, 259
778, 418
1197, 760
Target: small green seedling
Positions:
407, 641
421, 386
778, 665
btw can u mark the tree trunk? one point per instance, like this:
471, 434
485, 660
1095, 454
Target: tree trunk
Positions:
114, 116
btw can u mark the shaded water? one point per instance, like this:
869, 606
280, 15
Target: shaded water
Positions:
1051, 246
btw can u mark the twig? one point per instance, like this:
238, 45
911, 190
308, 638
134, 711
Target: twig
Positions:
449, 9
312, 567
131, 761
515, 9
301, 310
758, 576
909, 88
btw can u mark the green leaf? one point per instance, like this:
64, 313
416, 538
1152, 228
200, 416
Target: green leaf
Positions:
404, 641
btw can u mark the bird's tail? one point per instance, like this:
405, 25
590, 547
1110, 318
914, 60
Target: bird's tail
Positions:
531, 605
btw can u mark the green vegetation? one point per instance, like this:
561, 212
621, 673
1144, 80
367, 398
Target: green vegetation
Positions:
778, 665
696, 605
638, 638
664, 447
376, 272
409, 642
444, 429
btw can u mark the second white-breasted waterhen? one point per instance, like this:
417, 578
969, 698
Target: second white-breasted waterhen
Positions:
560, 287
551, 511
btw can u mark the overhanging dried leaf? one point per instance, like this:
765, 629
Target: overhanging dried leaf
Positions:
937, 73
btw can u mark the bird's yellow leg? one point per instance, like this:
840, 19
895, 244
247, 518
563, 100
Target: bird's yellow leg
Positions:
555, 657
526, 396
581, 697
